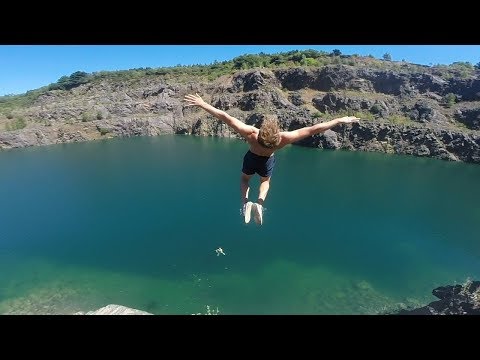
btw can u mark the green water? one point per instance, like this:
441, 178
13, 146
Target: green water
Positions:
136, 222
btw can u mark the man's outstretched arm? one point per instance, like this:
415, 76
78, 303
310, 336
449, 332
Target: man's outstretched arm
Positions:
289, 137
239, 126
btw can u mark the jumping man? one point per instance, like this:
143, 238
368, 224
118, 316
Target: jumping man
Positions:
263, 142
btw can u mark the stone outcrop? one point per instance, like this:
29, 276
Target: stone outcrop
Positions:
454, 300
113, 309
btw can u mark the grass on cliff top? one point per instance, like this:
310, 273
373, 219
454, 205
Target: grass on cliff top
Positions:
305, 58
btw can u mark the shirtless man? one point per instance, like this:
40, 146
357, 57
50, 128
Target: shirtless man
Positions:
263, 142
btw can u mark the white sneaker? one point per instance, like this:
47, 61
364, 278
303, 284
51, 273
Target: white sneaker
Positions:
247, 208
258, 213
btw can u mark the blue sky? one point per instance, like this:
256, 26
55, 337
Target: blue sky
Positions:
28, 67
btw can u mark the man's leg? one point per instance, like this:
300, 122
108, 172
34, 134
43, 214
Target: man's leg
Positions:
263, 191
244, 187
262, 194
244, 190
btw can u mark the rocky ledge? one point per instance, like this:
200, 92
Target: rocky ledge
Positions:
454, 300
113, 309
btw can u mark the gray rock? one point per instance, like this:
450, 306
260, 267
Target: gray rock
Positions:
469, 117
454, 300
113, 309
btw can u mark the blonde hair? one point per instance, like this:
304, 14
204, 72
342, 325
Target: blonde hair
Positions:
269, 134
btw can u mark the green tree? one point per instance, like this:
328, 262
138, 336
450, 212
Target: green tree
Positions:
387, 57
78, 77
310, 53
247, 61
310, 62
336, 52
69, 82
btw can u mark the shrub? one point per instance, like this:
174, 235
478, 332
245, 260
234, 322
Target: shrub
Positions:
87, 117
17, 124
375, 109
449, 100
399, 119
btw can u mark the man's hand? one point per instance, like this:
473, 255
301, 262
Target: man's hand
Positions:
194, 100
348, 120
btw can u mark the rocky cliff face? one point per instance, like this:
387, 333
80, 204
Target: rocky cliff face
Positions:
402, 112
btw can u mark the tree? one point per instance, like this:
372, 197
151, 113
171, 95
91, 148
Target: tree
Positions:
387, 57
69, 82
78, 77
247, 61
477, 66
336, 52
310, 53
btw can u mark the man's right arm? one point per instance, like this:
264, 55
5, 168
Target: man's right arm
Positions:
289, 137
239, 126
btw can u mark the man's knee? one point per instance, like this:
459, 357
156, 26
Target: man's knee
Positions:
245, 177
265, 179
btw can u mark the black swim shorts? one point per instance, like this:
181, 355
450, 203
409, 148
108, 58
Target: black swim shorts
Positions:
262, 165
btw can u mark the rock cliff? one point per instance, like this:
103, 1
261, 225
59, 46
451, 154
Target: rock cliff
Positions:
416, 111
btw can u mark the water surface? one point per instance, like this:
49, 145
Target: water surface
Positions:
136, 222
